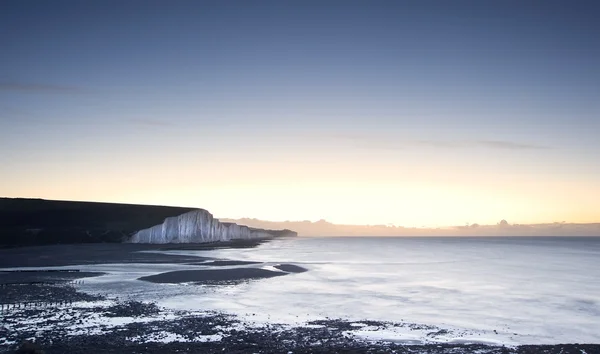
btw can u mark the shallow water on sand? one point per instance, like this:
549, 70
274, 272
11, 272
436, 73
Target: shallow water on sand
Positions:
491, 290
510, 290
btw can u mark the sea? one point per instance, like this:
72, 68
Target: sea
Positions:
496, 290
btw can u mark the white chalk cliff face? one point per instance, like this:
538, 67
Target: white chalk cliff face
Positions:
199, 226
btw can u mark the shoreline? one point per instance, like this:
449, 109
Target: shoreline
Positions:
60, 255
101, 325
60, 318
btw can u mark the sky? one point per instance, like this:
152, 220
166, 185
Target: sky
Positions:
412, 113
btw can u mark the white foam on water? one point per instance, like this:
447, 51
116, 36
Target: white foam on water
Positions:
168, 337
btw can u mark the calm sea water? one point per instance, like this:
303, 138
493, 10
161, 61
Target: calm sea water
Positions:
512, 290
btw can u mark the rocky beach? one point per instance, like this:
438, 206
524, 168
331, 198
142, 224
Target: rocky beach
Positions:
44, 308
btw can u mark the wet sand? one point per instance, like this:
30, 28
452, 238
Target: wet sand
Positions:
211, 275
31, 277
102, 253
291, 268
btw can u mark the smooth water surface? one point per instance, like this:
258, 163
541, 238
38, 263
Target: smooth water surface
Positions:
515, 290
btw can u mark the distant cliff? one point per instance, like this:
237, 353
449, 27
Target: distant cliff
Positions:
28, 222
199, 226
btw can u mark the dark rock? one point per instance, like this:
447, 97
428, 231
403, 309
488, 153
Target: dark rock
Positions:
199, 276
132, 309
28, 347
291, 268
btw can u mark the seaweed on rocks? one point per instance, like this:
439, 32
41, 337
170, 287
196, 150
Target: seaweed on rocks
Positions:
42, 294
132, 309
232, 336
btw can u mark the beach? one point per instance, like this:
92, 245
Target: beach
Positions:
42, 302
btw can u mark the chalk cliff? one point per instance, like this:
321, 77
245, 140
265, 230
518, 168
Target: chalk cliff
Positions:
199, 226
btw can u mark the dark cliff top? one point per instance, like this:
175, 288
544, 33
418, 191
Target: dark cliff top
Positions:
39, 221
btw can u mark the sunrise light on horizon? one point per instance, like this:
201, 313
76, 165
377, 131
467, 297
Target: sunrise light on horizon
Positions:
383, 113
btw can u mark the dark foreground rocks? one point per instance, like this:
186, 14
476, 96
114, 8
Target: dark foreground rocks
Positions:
28, 347
74, 327
275, 341
132, 309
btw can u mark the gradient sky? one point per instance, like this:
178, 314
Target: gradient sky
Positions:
364, 112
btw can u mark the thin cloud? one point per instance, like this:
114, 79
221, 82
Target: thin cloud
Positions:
492, 144
402, 144
36, 87
497, 144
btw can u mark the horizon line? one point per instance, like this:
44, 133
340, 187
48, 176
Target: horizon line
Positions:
388, 225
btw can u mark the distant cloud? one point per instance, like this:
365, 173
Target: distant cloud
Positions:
510, 145
401, 144
503, 228
150, 122
36, 87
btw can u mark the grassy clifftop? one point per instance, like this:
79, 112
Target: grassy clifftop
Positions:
25, 222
